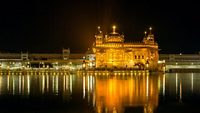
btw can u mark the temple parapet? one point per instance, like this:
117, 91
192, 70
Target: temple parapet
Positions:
111, 51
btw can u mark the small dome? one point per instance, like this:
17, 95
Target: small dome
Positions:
116, 37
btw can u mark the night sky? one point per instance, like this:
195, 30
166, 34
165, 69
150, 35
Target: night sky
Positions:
49, 26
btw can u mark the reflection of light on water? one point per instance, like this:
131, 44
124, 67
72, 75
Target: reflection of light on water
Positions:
180, 91
88, 87
88, 83
0, 83
176, 83
70, 79
8, 81
131, 90
64, 87
22, 84
67, 82
164, 85
147, 85
47, 83
13, 83
43, 83
114, 110
106, 93
56, 84
28, 84
94, 92
114, 92
192, 82
94, 98
91, 81
83, 87
159, 83
53, 83
20, 80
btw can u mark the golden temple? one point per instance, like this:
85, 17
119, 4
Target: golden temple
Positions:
111, 51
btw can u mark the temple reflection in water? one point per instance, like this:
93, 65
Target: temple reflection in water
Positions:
114, 93
111, 93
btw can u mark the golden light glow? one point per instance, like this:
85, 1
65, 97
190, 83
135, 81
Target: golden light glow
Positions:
112, 52
114, 28
150, 28
114, 92
145, 33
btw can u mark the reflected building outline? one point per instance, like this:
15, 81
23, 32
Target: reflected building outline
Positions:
105, 92
129, 90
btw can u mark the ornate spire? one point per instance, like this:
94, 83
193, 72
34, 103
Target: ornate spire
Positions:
99, 29
150, 29
114, 28
145, 33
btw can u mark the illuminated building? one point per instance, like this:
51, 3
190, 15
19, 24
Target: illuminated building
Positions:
113, 52
62, 60
181, 62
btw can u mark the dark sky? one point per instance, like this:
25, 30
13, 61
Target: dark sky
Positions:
49, 26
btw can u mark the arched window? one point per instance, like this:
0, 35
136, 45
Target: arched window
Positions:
142, 56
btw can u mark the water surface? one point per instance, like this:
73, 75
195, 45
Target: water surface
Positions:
102, 92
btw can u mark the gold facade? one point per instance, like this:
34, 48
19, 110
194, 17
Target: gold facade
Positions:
112, 52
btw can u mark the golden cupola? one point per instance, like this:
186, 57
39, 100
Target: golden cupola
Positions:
114, 37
